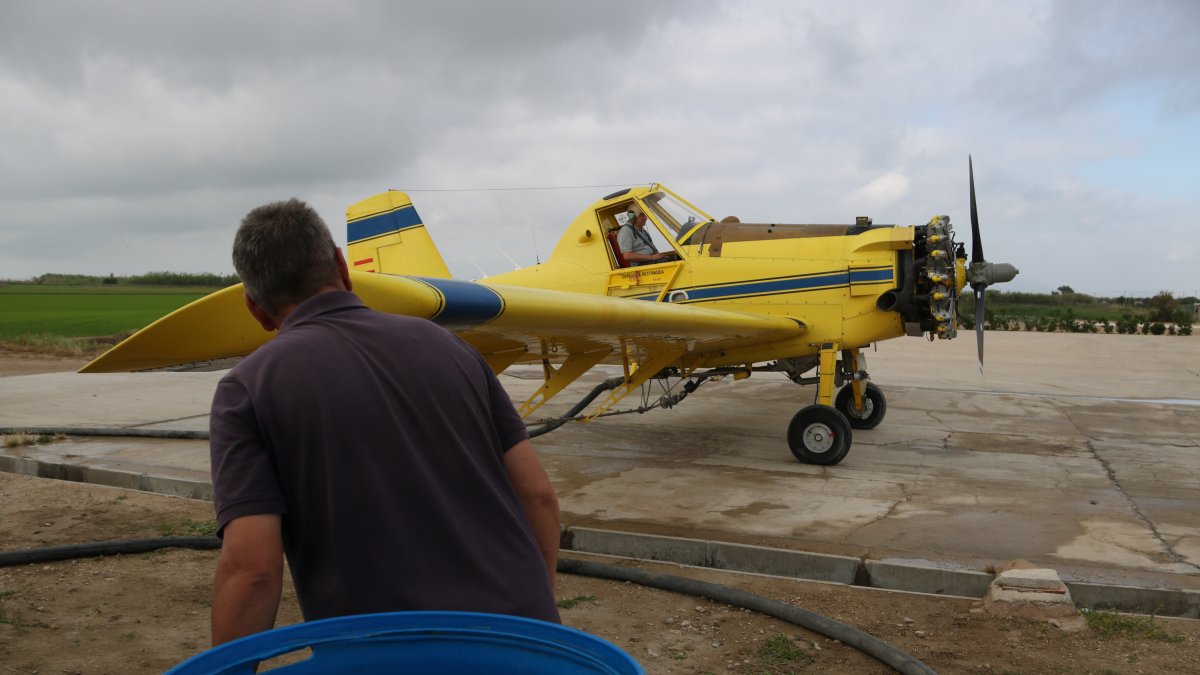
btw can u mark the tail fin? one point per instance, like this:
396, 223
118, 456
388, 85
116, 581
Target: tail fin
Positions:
385, 234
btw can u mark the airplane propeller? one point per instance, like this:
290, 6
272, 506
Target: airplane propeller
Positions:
982, 273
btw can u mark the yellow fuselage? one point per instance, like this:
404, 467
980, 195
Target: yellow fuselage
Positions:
828, 281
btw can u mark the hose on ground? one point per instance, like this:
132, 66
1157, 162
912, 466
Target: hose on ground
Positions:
101, 548
106, 431
884, 652
535, 431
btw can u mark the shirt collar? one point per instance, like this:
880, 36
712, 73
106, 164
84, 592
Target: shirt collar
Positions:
321, 303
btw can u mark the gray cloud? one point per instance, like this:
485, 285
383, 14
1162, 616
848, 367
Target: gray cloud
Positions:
1090, 51
135, 134
141, 98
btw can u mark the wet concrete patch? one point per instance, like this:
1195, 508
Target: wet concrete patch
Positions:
1108, 420
1016, 445
1126, 543
699, 498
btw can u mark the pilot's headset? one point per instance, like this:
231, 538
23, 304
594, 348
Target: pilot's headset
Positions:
631, 216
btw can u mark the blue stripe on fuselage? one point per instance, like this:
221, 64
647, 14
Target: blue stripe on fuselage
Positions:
466, 305
373, 226
768, 287
777, 286
868, 276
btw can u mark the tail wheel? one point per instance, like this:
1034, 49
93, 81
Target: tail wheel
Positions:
874, 406
819, 434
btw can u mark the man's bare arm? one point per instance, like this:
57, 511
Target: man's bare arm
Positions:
249, 578
537, 498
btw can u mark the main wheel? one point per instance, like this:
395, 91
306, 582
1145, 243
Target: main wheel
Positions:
874, 406
819, 434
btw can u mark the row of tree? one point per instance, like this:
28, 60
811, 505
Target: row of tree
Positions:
1160, 314
204, 279
1066, 296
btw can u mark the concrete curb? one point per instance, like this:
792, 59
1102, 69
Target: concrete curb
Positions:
892, 575
910, 576
1137, 600
130, 480
927, 578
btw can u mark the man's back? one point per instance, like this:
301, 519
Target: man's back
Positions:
381, 439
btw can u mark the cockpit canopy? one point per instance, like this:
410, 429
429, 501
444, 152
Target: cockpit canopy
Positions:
674, 214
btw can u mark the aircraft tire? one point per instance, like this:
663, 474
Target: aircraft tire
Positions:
875, 404
820, 435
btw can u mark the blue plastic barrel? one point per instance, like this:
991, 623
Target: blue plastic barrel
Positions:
420, 642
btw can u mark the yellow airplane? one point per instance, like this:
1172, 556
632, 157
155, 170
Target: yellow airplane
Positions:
732, 299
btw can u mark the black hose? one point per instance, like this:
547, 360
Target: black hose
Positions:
106, 431
868, 644
604, 386
100, 548
547, 427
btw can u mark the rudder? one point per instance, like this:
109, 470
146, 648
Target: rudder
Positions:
384, 234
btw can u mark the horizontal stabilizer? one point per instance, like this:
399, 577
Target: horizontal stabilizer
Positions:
217, 326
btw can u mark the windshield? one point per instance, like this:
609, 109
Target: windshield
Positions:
677, 216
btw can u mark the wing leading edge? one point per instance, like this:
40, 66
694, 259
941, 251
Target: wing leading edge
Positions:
506, 323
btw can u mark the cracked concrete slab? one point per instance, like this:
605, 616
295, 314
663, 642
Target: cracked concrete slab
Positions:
1030, 462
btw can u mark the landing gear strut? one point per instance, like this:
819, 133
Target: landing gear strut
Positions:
869, 414
821, 433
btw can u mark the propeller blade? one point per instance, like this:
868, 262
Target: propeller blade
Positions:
976, 240
979, 314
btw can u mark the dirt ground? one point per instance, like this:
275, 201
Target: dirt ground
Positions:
144, 613
30, 363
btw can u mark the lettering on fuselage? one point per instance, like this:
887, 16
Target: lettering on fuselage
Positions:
639, 277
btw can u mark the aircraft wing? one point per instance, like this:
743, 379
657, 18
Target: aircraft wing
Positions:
507, 324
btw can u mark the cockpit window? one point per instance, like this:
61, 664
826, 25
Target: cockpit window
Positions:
672, 213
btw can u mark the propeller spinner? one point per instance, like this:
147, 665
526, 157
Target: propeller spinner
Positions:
981, 273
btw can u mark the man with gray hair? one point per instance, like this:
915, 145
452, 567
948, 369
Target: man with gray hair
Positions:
377, 452
636, 245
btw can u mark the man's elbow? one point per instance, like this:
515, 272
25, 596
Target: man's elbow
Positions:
539, 503
255, 577
260, 580
545, 498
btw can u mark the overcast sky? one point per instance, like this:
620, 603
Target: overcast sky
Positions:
135, 135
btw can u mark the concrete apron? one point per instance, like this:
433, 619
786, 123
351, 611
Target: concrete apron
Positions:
1036, 462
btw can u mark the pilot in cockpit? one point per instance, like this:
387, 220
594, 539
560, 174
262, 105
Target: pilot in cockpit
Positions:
636, 245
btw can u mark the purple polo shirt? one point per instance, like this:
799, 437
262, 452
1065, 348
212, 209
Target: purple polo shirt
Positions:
379, 438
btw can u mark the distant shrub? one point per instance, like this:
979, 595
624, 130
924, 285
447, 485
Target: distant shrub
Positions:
1127, 324
1162, 306
1157, 328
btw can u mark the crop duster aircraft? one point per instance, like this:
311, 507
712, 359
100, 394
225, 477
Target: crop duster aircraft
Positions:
736, 298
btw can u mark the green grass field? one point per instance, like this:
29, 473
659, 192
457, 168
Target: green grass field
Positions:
37, 312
